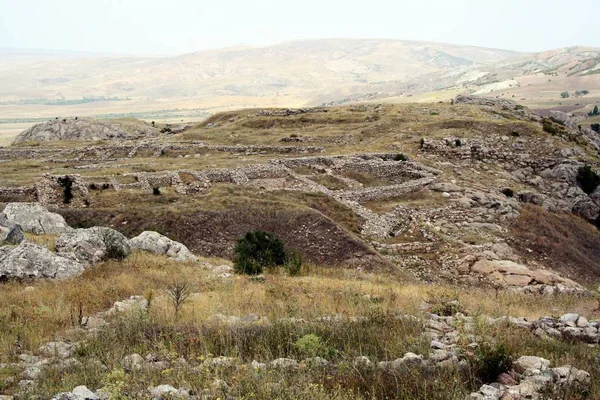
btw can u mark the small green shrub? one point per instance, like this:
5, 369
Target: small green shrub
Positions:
457, 143
293, 263
548, 127
515, 134
114, 384
400, 157
256, 251
588, 179
564, 95
311, 345
422, 142
595, 127
492, 361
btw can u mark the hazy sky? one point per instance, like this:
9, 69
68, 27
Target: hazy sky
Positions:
179, 26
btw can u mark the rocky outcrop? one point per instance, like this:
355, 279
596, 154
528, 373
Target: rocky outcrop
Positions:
501, 104
84, 129
506, 273
30, 261
93, 245
35, 218
531, 377
156, 243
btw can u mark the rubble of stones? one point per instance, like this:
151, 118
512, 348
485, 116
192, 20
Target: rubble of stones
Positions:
452, 339
287, 112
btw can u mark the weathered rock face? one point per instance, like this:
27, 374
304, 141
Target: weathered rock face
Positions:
504, 104
508, 273
93, 245
156, 243
35, 218
30, 261
84, 129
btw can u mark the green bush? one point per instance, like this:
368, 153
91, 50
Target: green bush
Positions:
548, 127
588, 179
422, 142
457, 143
293, 263
492, 361
256, 251
400, 157
564, 95
311, 345
595, 127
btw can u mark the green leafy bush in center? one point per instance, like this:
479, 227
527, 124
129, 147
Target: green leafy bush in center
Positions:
256, 251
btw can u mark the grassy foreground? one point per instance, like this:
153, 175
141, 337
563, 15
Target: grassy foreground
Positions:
363, 313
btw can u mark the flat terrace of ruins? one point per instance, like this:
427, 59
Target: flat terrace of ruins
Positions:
383, 176
134, 149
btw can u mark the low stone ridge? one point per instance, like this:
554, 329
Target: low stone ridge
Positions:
156, 243
30, 261
93, 245
35, 218
84, 129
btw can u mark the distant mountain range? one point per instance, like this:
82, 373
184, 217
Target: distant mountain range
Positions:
300, 73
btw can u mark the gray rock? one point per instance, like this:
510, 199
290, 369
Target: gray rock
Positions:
163, 392
30, 261
363, 362
133, 362
284, 363
134, 303
15, 235
219, 362
571, 317
35, 218
57, 349
156, 243
531, 364
84, 129
93, 245
84, 393
257, 365
67, 396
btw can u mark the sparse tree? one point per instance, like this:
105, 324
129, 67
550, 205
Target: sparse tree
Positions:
564, 95
179, 292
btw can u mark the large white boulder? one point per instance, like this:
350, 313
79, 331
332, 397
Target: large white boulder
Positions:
156, 243
93, 245
35, 218
30, 261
